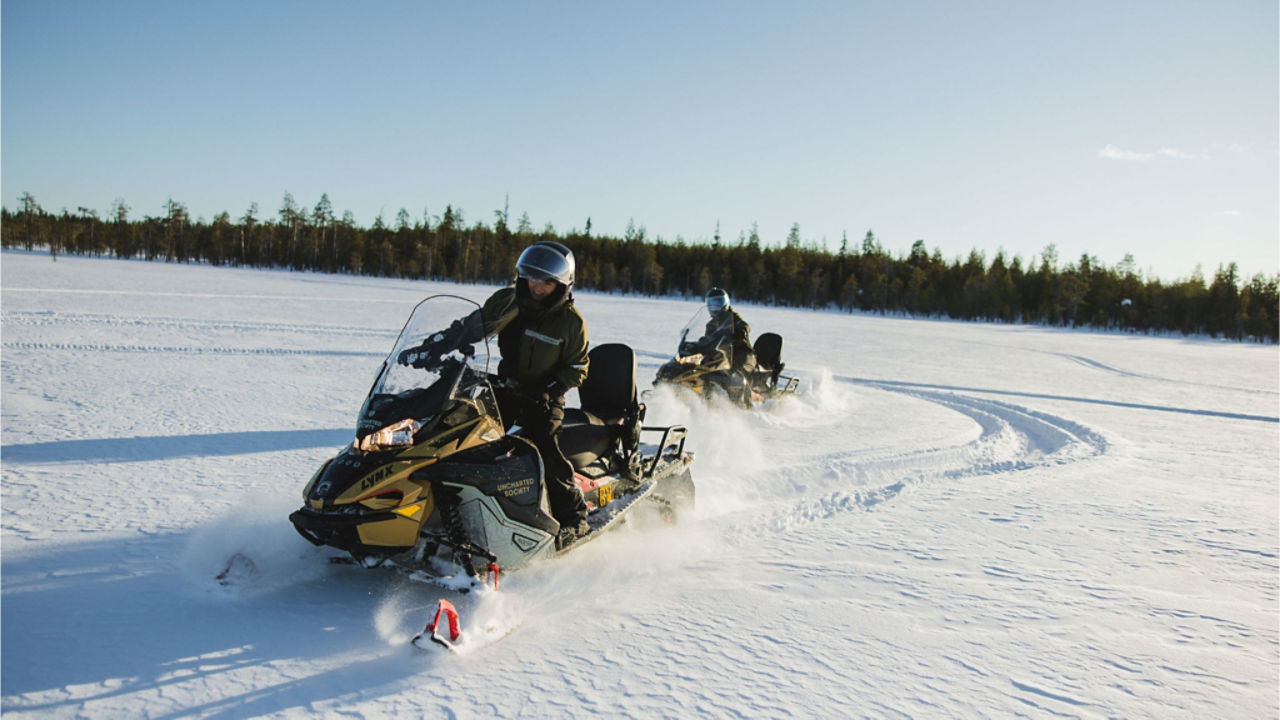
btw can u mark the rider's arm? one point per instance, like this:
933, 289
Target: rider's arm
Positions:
741, 331
572, 368
499, 310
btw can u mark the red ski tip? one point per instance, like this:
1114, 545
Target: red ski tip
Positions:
432, 630
239, 567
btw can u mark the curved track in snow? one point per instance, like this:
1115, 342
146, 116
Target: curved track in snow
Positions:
1008, 438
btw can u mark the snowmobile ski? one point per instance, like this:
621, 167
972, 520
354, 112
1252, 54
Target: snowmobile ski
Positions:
431, 632
239, 569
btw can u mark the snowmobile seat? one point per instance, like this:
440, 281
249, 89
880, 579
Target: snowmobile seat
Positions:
768, 350
609, 392
609, 410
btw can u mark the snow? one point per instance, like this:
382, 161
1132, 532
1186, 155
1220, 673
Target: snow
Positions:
953, 520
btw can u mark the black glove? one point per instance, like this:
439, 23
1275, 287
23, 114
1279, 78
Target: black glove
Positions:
419, 357
555, 389
425, 356
541, 396
533, 398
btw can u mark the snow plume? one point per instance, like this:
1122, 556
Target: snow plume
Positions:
612, 575
820, 400
741, 456
725, 444
261, 552
485, 615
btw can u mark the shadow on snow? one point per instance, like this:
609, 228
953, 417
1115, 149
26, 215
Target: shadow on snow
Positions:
166, 447
117, 618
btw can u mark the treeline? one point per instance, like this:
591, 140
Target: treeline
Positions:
862, 277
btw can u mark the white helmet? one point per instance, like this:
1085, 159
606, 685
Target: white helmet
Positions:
546, 260
717, 300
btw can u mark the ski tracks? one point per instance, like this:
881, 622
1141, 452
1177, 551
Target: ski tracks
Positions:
51, 318
154, 325
1009, 438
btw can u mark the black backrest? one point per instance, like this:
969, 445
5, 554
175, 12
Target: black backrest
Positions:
768, 349
609, 392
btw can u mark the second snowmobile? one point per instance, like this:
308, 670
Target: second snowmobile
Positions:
705, 365
434, 483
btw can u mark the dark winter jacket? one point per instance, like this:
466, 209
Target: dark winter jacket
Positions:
729, 325
543, 344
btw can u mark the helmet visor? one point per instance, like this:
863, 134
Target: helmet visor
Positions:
716, 303
539, 262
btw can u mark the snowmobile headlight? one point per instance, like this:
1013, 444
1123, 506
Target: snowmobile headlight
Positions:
392, 436
694, 359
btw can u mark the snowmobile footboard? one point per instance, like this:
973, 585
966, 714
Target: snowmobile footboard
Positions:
673, 438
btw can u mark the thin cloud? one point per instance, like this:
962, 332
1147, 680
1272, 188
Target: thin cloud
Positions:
1229, 213
1223, 149
1113, 152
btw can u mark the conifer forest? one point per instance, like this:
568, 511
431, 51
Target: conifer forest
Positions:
858, 276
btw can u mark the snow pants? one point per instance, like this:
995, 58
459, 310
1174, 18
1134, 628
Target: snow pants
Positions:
540, 425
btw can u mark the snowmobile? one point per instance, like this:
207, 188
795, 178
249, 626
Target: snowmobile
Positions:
706, 366
434, 484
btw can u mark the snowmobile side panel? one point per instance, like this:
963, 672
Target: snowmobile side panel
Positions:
471, 434
513, 543
397, 531
508, 471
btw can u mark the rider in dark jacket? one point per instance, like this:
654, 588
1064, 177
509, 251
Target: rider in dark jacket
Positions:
543, 342
727, 325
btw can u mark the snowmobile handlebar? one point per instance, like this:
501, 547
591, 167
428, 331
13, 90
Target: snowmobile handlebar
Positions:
705, 345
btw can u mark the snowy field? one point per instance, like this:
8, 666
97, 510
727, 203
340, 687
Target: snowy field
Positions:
954, 520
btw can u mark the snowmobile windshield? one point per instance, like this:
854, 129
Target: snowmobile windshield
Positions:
443, 327
440, 357
707, 339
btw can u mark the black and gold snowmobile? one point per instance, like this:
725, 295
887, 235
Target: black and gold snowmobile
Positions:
433, 483
705, 365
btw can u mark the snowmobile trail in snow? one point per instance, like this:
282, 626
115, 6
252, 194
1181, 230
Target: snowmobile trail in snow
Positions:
900, 385
181, 350
1004, 437
218, 337
154, 323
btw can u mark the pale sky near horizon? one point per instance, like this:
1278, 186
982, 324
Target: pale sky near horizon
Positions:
1149, 127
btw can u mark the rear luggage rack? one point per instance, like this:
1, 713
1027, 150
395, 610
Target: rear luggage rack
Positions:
672, 437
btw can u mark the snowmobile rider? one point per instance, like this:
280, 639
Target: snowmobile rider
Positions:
542, 339
727, 325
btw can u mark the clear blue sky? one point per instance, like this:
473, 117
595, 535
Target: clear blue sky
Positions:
1107, 126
